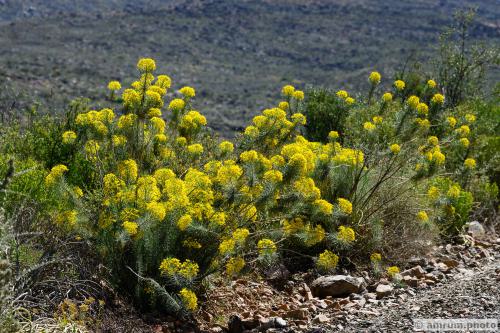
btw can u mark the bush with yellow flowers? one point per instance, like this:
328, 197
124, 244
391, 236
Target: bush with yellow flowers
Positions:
166, 204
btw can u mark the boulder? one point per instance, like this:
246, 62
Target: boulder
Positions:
336, 286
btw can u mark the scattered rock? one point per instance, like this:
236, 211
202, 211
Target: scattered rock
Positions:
320, 319
336, 286
416, 271
476, 229
452, 263
300, 314
410, 280
383, 290
370, 296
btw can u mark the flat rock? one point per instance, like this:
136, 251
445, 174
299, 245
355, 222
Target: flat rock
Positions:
320, 319
384, 290
336, 286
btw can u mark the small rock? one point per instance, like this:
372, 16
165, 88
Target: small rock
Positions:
336, 286
416, 271
321, 304
430, 282
452, 263
442, 267
418, 261
383, 290
410, 281
300, 314
476, 229
320, 319
370, 296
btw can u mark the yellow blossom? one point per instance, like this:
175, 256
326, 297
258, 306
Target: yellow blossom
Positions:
188, 92
266, 247
130, 227
345, 206
114, 85
284, 105
298, 95
346, 234
399, 84
189, 299
470, 118
395, 148
377, 119
234, 266
431, 83
288, 90
176, 104
422, 216
342, 94
464, 142
333, 135
470, 163
422, 109
146, 65
374, 78
184, 221
327, 260
413, 101
433, 192
376, 257
438, 157
433, 140
387, 97
369, 126
195, 149
273, 176
324, 206
226, 147
392, 271
68, 137
437, 99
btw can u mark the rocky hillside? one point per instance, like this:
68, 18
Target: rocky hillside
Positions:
237, 53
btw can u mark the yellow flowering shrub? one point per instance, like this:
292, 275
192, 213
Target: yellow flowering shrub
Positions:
171, 204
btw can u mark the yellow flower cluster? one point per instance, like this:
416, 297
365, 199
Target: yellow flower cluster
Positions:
234, 266
55, 174
345, 206
392, 271
68, 137
399, 84
375, 257
422, 216
374, 78
174, 267
189, 299
266, 247
346, 234
114, 85
327, 260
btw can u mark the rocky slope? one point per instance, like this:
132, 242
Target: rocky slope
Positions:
237, 54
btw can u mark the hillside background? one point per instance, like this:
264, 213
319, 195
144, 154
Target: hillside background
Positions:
237, 54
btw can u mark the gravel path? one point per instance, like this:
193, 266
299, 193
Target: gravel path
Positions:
469, 293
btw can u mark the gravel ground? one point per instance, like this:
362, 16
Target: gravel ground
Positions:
469, 293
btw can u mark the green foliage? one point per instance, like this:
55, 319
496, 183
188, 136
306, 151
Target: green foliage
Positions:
8, 322
453, 205
461, 65
325, 112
